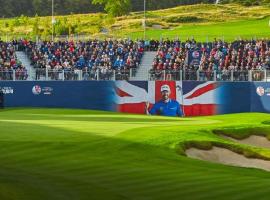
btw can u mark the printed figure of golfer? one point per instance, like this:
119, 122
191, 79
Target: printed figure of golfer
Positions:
166, 106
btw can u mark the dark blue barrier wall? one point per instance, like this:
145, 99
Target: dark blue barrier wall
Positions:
260, 97
229, 97
234, 97
87, 95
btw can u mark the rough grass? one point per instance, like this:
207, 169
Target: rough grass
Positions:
244, 132
203, 21
80, 154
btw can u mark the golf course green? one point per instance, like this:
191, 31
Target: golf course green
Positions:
82, 154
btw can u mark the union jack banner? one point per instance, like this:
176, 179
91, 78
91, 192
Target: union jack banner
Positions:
197, 98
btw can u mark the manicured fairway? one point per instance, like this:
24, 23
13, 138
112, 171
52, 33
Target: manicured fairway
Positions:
78, 154
227, 31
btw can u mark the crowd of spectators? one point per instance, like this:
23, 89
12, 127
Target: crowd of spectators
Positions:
95, 58
220, 59
10, 67
105, 59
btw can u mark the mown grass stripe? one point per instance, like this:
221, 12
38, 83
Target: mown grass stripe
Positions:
58, 162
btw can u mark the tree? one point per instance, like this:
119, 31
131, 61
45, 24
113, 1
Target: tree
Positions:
37, 6
115, 7
13, 8
36, 30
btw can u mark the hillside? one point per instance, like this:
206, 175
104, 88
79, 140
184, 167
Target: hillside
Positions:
201, 21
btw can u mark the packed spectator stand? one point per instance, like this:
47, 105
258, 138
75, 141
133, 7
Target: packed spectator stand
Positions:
96, 59
10, 67
240, 60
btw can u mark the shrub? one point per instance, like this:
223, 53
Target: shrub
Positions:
184, 19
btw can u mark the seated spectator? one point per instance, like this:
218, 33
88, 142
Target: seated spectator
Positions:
93, 54
220, 57
9, 64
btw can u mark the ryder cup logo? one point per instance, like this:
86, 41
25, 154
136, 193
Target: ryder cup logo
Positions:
260, 91
196, 54
36, 90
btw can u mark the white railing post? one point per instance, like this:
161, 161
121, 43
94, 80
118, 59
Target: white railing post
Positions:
164, 75
47, 75
63, 74
181, 75
130, 73
14, 75
215, 75
28, 74
80, 75
265, 75
97, 74
198, 75
249, 75
184, 74
232, 75
114, 75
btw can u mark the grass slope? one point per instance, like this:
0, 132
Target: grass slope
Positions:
79, 154
203, 21
228, 31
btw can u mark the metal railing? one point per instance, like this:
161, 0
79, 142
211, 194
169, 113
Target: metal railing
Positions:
7, 75
214, 75
41, 74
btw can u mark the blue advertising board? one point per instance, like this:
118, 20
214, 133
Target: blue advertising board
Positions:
260, 97
196, 98
70, 94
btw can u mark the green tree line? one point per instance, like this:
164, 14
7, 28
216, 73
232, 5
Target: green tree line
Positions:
13, 8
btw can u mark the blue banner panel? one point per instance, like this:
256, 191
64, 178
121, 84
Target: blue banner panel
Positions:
234, 97
70, 94
196, 98
260, 97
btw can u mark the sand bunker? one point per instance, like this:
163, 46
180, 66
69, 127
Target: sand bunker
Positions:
227, 157
254, 140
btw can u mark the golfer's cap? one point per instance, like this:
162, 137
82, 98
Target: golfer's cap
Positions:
165, 88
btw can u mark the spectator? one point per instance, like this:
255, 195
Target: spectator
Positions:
93, 54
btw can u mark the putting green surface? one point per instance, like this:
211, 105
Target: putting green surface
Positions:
80, 154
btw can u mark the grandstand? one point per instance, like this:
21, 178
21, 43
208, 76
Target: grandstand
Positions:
216, 61
10, 67
239, 60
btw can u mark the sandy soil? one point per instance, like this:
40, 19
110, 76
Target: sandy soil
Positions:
227, 157
254, 140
